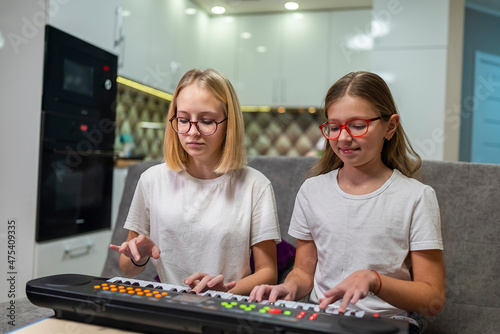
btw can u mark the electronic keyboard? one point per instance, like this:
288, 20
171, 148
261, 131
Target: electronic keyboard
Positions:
152, 307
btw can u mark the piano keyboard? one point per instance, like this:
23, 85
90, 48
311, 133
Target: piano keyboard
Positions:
151, 307
331, 309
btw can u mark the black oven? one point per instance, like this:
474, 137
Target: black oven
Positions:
77, 135
79, 78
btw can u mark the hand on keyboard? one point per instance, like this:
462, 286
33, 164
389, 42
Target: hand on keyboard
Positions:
355, 287
200, 282
272, 292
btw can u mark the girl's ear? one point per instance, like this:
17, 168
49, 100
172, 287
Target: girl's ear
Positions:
392, 126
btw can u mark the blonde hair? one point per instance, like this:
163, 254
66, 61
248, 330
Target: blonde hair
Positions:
233, 155
397, 153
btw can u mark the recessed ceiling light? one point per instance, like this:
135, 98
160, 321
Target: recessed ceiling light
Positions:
291, 5
218, 10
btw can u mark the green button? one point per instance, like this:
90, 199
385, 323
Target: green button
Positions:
234, 303
252, 306
224, 303
287, 313
267, 308
262, 310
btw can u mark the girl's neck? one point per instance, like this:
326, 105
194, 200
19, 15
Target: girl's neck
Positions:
364, 179
201, 170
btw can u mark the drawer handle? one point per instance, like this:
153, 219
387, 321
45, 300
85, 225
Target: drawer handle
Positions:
78, 251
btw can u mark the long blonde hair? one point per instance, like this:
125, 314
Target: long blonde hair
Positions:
396, 153
233, 155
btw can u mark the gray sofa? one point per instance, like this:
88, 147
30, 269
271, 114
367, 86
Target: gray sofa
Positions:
469, 198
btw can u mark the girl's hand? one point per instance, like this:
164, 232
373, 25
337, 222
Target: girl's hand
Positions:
355, 287
138, 248
272, 292
200, 282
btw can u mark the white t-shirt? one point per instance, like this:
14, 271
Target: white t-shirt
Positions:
373, 231
203, 225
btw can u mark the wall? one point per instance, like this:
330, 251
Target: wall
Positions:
481, 28
21, 25
413, 57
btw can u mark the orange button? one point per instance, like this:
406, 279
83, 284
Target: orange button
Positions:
97, 286
157, 296
149, 294
164, 293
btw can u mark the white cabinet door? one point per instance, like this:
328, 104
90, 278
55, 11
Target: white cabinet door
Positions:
83, 254
350, 43
305, 58
221, 55
258, 76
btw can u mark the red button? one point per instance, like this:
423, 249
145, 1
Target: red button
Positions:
376, 315
274, 311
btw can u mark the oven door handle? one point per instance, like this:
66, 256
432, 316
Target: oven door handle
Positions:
97, 153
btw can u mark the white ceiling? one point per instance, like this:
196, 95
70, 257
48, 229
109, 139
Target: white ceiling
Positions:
272, 6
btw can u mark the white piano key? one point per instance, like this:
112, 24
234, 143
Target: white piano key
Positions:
226, 295
359, 314
291, 304
308, 306
280, 302
240, 298
332, 309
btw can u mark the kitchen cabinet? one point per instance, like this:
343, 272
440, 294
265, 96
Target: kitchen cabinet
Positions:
282, 59
305, 58
292, 59
82, 254
350, 43
258, 64
162, 42
223, 38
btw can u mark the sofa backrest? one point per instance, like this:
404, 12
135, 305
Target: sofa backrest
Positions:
469, 198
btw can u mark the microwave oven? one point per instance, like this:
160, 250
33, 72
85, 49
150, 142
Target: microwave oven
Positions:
79, 78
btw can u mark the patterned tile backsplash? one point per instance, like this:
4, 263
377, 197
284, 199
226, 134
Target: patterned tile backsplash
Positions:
140, 122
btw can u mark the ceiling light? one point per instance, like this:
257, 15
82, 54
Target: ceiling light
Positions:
291, 5
190, 11
2, 40
218, 10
